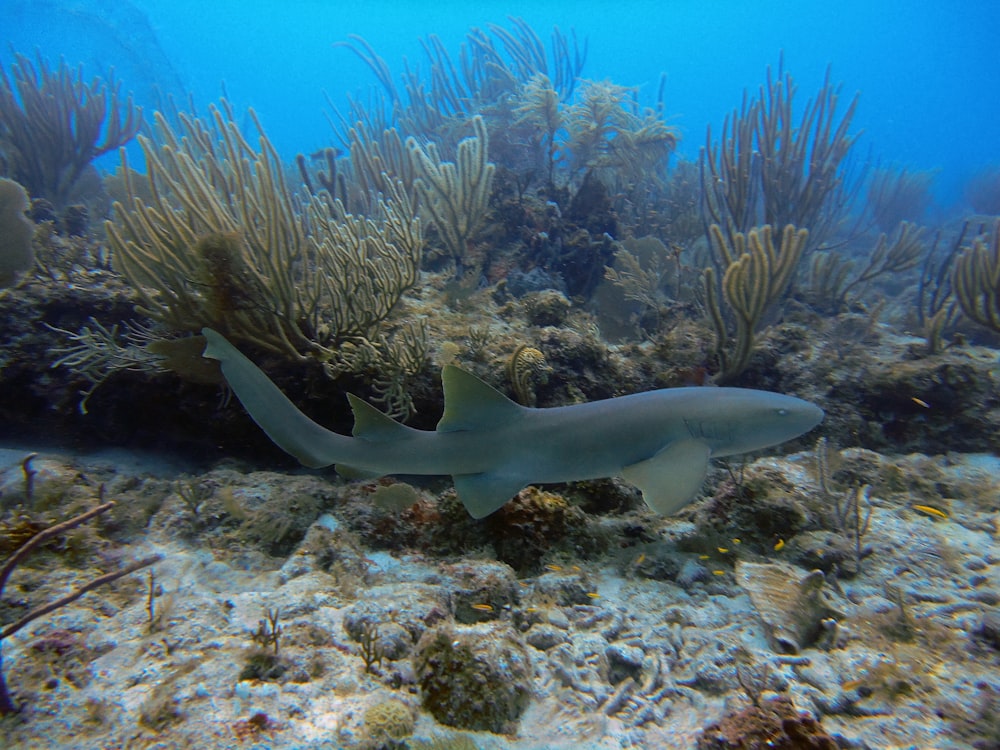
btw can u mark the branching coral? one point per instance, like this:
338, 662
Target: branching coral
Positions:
455, 195
540, 108
52, 125
224, 243
833, 278
756, 274
607, 131
492, 65
769, 169
897, 195
976, 280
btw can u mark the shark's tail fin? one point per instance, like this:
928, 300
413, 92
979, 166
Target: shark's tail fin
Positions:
290, 429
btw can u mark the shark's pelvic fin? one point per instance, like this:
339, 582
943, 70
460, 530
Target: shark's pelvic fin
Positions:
350, 472
481, 494
673, 476
471, 404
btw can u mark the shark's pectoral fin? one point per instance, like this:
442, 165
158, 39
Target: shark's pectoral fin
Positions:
672, 477
481, 494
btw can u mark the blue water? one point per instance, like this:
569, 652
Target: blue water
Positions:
928, 72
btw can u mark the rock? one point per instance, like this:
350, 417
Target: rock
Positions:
544, 636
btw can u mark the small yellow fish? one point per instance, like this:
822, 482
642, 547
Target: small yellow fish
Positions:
640, 559
930, 510
703, 557
779, 545
852, 685
921, 402
554, 568
483, 607
593, 595
723, 550
531, 609
718, 572
576, 568
737, 541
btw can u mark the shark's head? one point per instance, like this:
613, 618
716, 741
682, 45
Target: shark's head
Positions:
751, 420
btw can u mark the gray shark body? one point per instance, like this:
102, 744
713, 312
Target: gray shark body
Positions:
660, 441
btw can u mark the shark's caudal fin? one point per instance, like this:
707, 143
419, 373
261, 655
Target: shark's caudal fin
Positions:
290, 429
471, 404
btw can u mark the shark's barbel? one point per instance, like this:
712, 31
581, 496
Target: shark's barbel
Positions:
660, 441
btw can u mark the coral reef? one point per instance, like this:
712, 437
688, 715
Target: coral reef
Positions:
852, 578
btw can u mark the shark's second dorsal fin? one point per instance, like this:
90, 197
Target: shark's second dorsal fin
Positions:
372, 425
471, 404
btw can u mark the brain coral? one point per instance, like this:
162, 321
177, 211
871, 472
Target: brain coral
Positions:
388, 721
474, 677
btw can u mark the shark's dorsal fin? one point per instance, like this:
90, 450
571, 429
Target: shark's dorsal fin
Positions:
481, 494
372, 425
670, 478
471, 404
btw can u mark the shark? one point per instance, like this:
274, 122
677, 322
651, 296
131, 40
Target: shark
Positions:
659, 441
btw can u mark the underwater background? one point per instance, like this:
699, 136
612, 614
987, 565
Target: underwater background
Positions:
927, 71
573, 202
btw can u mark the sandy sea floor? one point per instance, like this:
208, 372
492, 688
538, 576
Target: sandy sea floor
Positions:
612, 652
